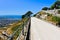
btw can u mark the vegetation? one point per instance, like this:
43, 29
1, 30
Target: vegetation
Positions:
49, 14
20, 25
45, 8
34, 15
58, 11
28, 14
56, 5
18, 32
54, 19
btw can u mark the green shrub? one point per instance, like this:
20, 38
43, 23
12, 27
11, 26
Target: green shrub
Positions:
58, 11
34, 15
45, 8
49, 14
55, 18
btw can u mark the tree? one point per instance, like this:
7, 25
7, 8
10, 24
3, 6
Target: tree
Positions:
56, 5
28, 14
34, 15
45, 8
23, 16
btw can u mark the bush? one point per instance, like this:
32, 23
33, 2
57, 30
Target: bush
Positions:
34, 15
49, 14
58, 11
56, 19
45, 8
56, 5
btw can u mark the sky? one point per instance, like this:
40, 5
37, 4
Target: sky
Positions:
20, 7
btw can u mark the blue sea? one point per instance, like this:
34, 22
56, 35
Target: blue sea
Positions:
11, 17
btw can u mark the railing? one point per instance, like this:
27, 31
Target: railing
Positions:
17, 32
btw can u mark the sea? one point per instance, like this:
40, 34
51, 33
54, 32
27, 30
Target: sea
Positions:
5, 20
11, 17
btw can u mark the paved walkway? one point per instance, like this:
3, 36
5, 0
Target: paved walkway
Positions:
41, 30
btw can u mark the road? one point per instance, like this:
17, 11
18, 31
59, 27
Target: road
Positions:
41, 30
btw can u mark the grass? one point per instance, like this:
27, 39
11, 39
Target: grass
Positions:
51, 18
19, 26
17, 33
12, 28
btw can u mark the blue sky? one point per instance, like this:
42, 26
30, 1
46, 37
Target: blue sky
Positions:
20, 7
